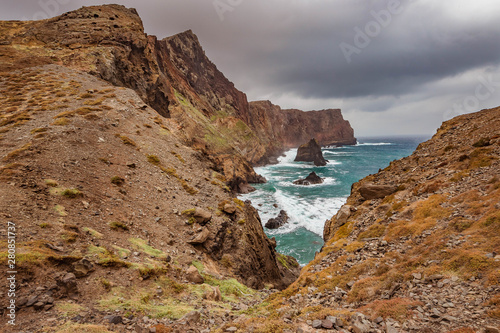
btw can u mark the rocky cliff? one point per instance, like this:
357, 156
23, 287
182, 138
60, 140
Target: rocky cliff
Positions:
175, 77
416, 247
281, 129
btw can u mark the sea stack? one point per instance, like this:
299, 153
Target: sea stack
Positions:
311, 152
312, 179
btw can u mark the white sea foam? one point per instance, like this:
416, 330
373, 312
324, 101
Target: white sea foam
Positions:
304, 212
309, 214
374, 144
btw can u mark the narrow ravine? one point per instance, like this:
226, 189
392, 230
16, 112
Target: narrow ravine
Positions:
310, 206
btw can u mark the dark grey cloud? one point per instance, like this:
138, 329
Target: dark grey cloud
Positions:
423, 56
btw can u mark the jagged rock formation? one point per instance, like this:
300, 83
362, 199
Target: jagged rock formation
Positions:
174, 76
311, 179
278, 221
311, 152
419, 251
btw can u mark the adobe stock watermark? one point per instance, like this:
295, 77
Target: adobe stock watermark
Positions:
487, 86
11, 273
224, 6
48, 9
372, 29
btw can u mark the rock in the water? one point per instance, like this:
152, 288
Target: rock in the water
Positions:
202, 216
201, 237
312, 179
192, 275
371, 191
311, 152
278, 221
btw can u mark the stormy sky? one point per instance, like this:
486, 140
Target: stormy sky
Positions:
394, 67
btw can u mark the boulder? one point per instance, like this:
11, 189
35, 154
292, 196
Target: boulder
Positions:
327, 324
316, 323
342, 215
68, 285
202, 216
201, 237
372, 191
311, 152
245, 188
192, 275
113, 319
229, 208
278, 221
312, 179
82, 268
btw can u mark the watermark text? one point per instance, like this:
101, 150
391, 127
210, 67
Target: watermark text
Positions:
11, 272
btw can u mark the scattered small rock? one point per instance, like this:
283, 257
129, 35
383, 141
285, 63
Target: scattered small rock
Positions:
114, 319
191, 317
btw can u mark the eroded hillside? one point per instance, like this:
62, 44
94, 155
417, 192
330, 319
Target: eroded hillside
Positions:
116, 215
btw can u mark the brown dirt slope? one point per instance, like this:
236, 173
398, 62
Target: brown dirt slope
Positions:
99, 186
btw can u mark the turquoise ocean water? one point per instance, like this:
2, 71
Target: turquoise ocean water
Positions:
310, 206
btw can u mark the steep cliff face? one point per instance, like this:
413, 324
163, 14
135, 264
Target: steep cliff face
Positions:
174, 76
281, 129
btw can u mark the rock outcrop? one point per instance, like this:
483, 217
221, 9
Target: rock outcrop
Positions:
311, 152
372, 191
278, 221
311, 179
